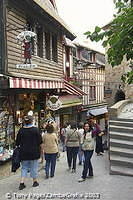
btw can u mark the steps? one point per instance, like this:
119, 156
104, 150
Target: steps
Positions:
121, 146
118, 170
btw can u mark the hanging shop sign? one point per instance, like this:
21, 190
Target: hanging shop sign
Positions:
26, 39
53, 103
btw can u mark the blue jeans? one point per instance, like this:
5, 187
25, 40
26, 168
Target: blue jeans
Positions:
81, 155
63, 143
72, 156
29, 166
87, 164
50, 163
99, 145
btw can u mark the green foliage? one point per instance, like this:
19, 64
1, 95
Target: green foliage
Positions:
127, 78
117, 36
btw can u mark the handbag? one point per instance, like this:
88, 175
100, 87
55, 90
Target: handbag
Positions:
15, 159
58, 154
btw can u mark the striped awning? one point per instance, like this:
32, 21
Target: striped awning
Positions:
72, 89
26, 83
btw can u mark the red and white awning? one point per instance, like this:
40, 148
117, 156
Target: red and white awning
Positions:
25, 83
34, 83
72, 89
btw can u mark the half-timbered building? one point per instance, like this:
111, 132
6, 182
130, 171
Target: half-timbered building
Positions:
34, 61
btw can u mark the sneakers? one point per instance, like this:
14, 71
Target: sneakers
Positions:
35, 184
81, 180
22, 186
100, 154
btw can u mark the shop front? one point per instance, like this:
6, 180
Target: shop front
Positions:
19, 99
69, 109
65, 106
15, 106
23, 96
101, 115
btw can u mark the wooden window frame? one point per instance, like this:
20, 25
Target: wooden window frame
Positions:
47, 45
40, 38
54, 48
92, 92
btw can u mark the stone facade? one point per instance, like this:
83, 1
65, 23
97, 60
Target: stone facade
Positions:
113, 81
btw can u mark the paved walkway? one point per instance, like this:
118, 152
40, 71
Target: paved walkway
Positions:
110, 187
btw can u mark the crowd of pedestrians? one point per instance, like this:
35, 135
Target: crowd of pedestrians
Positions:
77, 140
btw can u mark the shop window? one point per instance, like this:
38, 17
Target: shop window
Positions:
92, 57
74, 52
78, 54
6, 136
85, 55
67, 62
54, 48
47, 45
39, 32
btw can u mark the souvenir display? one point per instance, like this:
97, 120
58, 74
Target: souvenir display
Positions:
6, 136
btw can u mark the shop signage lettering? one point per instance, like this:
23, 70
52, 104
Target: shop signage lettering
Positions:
26, 66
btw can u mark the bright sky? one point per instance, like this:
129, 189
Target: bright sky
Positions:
84, 15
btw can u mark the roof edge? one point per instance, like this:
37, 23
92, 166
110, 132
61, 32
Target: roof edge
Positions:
53, 14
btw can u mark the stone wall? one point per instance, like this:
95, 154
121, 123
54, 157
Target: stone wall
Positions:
115, 110
113, 80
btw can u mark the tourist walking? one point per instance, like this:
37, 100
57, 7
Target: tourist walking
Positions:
50, 147
29, 140
87, 142
81, 153
72, 146
63, 137
98, 133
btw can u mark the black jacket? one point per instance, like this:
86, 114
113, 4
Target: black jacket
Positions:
29, 140
15, 159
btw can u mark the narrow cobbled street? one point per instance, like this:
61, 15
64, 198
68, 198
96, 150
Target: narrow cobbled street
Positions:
102, 185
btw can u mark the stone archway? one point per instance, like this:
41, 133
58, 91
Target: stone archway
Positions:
119, 95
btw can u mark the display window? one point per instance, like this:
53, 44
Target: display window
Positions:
6, 136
